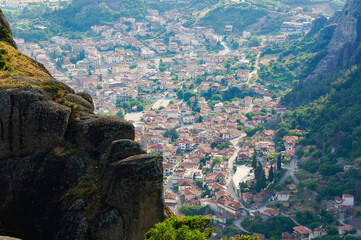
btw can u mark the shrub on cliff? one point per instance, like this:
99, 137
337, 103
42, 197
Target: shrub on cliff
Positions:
187, 228
181, 228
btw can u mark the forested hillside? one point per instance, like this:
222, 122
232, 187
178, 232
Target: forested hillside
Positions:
332, 122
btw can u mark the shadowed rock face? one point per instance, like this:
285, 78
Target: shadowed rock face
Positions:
5, 24
142, 172
345, 46
37, 172
30, 122
64, 177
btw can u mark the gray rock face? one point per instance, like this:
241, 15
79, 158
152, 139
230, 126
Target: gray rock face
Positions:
32, 187
121, 149
37, 172
317, 25
94, 134
4, 23
345, 45
78, 99
30, 122
141, 172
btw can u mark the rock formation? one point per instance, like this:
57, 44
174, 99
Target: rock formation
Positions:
344, 49
66, 173
5, 31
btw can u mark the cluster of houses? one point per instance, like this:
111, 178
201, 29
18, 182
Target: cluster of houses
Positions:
122, 66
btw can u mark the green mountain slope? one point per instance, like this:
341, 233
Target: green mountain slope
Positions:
333, 121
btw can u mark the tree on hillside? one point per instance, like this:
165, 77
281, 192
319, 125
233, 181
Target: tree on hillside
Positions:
180, 94
271, 174
120, 114
254, 159
260, 177
187, 228
279, 165
190, 210
172, 134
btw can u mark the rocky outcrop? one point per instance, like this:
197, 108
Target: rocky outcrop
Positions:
4, 22
142, 172
317, 25
5, 31
66, 173
93, 134
344, 49
45, 158
30, 121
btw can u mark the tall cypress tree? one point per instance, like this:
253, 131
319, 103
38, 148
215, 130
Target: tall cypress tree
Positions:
270, 174
279, 166
254, 160
260, 177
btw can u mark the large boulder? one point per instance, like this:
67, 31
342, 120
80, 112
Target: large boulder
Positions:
93, 134
134, 187
121, 149
82, 101
30, 122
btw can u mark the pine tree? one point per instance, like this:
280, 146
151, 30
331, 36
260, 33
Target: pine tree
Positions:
271, 174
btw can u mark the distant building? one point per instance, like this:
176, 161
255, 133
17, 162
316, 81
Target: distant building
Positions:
283, 196
347, 200
301, 232
228, 28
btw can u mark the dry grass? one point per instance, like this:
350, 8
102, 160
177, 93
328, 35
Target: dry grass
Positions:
20, 65
19, 70
62, 152
267, 58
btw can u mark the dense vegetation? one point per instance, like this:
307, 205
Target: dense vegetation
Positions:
84, 15
181, 228
311, 220
296, 60
187, 228
272, 228
333, 121
238, 15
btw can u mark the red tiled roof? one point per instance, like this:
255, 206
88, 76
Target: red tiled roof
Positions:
301, 230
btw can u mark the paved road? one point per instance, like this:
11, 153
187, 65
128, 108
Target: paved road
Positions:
290, 170
227, 49
256, 67
234, 156
161, 102
230, 167
237, 223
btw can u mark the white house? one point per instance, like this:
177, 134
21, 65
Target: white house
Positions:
348, 200
219, 218
189, 119
283, 196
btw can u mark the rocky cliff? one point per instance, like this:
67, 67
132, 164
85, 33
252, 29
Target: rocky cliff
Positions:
344, 49
66, 173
